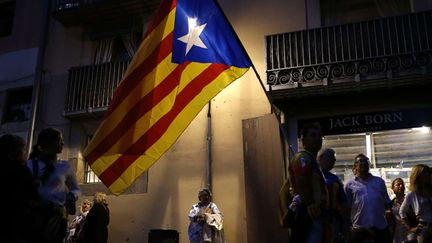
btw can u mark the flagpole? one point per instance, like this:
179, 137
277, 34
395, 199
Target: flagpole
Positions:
273, 108
282, 129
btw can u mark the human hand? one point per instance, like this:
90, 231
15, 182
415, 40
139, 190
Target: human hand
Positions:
414, 229
314, 210
200, 218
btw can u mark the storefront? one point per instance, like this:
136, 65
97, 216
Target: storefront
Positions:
394, 140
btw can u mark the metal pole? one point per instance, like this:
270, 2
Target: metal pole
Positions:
306, 14
38, 75
209, 148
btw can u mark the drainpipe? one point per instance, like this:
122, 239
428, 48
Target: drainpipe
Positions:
209, 148
306, 14
38, 74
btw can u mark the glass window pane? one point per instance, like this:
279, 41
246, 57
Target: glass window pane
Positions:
403, 148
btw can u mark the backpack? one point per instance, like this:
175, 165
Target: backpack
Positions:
287, 216
286, 195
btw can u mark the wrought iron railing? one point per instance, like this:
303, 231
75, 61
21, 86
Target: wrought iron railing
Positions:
90, 88
386, 46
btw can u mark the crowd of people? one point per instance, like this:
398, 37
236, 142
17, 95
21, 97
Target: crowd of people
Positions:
45, 195
321, 209
318, 207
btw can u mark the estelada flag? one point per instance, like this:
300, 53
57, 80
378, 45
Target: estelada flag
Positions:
188, 55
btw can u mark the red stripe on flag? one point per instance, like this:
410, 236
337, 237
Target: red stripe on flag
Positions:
144, 105
164, 9
112, 173
131, 81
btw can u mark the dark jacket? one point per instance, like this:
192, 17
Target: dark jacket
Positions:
21, 194
96, 225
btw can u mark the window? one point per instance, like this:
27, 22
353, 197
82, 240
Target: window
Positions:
7, 12
117, 48
403, 148
89, 175
18, 105
392, 153
92, 183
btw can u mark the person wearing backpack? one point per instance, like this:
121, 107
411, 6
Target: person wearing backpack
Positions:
55, 180
310, 200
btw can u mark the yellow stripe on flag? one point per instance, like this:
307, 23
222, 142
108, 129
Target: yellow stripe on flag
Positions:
147, 46
151, 117
151, 81
151, 108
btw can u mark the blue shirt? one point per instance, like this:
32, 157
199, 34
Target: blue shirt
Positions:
368, 200
59, 183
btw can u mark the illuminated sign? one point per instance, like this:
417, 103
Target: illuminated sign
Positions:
371, 122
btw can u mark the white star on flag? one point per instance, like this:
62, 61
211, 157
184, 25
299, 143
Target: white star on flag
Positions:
192, 37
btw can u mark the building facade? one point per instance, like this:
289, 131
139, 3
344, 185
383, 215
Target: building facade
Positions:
364, 76
365, 73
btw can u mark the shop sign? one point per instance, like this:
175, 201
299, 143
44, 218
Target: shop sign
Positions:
372, 122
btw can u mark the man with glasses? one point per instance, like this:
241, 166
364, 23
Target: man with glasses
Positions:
368, 201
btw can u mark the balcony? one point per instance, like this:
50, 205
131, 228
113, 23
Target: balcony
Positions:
392, 51
98, 12
90, 88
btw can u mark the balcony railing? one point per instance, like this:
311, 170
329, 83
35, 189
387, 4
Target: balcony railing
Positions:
387, 47
90, 88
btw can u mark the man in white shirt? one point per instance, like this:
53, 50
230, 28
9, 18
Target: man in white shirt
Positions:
368, 201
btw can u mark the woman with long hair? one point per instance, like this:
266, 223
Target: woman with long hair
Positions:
420, 200
56, 181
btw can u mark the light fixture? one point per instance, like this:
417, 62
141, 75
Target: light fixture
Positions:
423, 129
368, 145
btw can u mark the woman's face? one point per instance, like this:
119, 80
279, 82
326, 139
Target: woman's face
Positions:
85, 206
399, 188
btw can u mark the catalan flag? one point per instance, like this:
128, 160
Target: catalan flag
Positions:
188, 55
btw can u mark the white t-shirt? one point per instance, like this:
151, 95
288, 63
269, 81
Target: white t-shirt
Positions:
422, 206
